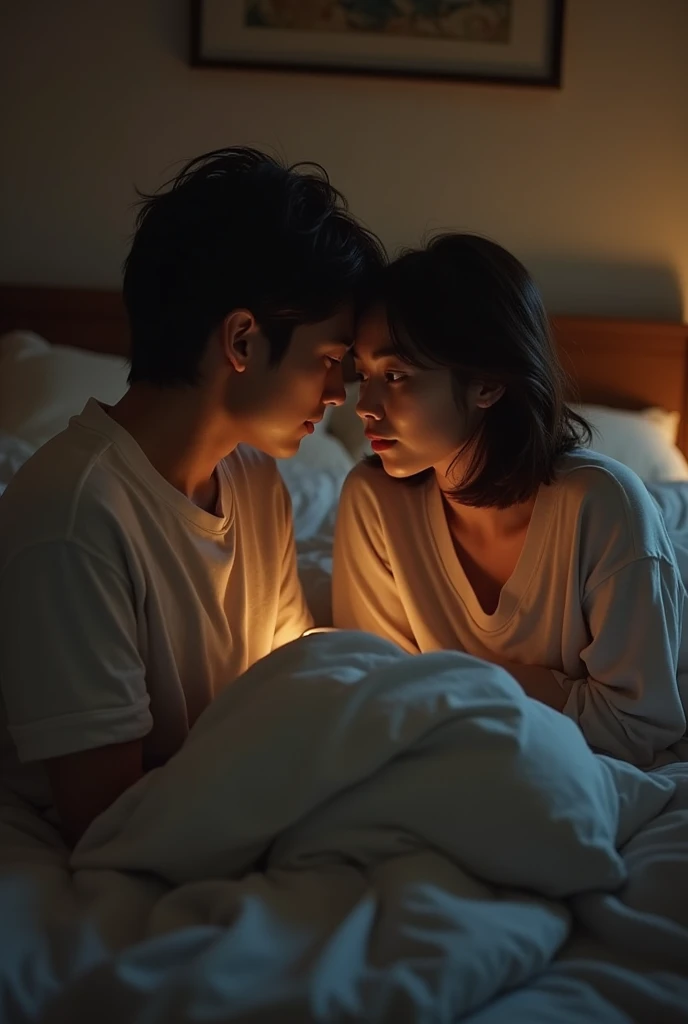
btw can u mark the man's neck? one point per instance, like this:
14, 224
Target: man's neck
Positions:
181, 435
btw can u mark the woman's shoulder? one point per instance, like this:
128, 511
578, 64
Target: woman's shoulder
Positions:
369, 484
611, 502
588, 470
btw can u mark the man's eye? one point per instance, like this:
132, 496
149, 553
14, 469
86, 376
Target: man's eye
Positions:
331, 361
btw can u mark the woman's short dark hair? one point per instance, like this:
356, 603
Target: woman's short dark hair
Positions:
237, 229
465, 303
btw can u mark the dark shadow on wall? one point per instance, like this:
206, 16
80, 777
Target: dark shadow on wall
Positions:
579, 286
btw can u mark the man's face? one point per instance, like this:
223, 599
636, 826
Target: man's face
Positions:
279, 403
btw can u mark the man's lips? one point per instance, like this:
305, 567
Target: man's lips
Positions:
310, 424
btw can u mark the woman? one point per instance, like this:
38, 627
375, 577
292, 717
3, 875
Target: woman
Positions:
482, 524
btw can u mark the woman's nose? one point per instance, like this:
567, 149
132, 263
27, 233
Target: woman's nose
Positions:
368, 405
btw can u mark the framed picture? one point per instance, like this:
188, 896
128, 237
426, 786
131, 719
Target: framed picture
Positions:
514, 42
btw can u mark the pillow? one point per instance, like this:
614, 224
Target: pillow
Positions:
43, 385
667, 422
314, 478
13, 454
643, 441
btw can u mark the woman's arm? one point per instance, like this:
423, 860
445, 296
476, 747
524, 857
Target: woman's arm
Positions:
628, 704
539, 683
364, 592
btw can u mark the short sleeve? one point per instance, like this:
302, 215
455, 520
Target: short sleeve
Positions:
364, 591
293, 616
71, 674
629, 704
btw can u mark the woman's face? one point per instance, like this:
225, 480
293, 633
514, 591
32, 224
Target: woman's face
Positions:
411, 416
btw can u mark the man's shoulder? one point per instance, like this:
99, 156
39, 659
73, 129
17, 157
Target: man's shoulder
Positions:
66, 484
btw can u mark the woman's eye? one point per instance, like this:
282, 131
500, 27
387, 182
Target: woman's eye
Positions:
331, 361
360, 377
395, 376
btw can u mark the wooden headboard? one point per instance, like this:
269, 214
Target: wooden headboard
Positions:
627, 364
82, 317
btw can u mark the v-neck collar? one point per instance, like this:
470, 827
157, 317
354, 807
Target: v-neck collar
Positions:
516, 586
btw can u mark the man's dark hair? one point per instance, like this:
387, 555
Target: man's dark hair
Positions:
237, 229
466, 304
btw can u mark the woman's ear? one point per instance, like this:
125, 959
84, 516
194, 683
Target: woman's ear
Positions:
238, 335
487, 395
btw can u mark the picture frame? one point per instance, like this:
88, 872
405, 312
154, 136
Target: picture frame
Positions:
505, 42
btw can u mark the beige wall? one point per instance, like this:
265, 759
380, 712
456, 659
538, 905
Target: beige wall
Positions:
589, 185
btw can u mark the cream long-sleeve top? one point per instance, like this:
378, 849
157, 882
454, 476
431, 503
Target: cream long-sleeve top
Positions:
596, 595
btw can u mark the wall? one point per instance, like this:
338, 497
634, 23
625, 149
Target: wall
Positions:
586, 184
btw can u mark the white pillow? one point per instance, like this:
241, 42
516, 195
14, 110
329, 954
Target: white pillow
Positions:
314, 478
13, 454
43, 385
643, 441
667, 422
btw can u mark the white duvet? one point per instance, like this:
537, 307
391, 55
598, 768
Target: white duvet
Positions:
354, 834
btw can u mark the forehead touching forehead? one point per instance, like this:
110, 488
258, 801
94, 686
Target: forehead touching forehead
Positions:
373, 340
336, 332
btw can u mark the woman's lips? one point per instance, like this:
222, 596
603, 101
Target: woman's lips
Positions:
380, 444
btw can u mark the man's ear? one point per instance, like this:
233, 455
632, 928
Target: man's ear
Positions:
487, 394
238, 335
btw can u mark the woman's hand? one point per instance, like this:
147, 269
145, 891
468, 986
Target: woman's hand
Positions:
537, 682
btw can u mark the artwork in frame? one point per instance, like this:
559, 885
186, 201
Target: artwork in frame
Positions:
515, 42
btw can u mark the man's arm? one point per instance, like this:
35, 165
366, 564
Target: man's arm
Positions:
86, 783
72, 677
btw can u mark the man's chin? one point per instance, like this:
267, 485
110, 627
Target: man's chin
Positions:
285, 448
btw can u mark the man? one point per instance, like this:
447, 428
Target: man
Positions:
147, 557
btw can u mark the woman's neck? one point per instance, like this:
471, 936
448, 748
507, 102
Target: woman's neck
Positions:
486, 523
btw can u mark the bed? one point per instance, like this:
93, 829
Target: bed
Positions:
354, 897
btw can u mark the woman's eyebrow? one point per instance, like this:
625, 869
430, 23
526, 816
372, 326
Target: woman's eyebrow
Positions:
379, 353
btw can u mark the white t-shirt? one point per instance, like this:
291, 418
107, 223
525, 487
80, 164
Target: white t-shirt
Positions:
125, 607
596, 595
